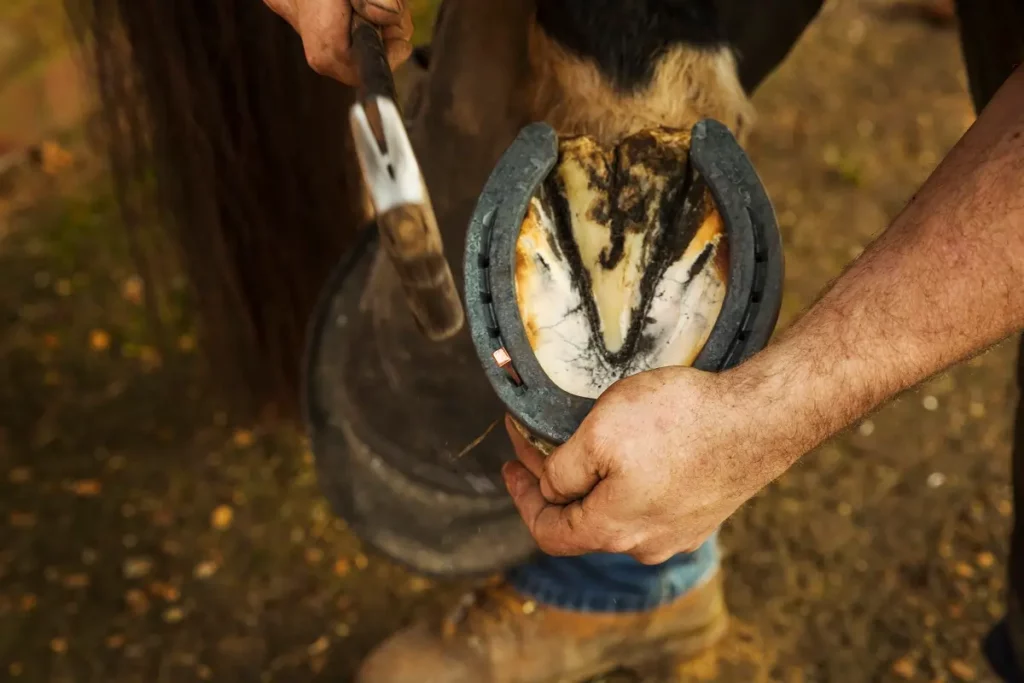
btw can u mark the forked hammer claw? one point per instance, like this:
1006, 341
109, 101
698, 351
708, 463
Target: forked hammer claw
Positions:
392, 175
406, 219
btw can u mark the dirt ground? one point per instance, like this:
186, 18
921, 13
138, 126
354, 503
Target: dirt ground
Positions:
146, 537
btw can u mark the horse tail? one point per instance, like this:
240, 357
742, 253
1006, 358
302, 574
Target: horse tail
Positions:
225, 146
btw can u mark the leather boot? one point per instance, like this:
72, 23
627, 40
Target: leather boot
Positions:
497, 636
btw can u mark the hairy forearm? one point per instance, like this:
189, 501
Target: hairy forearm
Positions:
945, 281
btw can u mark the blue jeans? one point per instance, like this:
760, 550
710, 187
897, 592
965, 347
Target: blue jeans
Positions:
604, 582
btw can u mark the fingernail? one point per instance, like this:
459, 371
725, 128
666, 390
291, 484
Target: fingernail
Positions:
514, 480
393, 6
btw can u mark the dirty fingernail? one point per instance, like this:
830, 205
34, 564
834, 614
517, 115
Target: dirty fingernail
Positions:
513, 478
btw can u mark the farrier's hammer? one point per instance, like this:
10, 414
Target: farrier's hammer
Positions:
398, 193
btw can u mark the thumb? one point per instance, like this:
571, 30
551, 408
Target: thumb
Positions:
570, 472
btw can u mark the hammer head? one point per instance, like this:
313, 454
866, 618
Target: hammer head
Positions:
406, 219
386, 159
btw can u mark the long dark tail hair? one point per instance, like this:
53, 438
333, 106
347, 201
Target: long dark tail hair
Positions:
220, 133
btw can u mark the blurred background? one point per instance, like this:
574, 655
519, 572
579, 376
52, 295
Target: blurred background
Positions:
147, 534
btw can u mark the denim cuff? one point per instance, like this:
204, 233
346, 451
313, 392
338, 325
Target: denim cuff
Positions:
613, 583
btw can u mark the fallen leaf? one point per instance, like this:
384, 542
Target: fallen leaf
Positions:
63, 287
361, 561
905, 668
51, 341
150, 358
28, 602
15, 669
185, 659
115, 642
76, 581
163, 518
137, 601
986, 560
319, 646
242, 438
963, 569
86, 488
205, 570
186, 343
53, 158
19, 475
137, 567
59, 645
99, 340
204, 672
314, 555
341, 567
418, 584
961, 670
132, 289
173, 615
22, 520
164, 591
221, 517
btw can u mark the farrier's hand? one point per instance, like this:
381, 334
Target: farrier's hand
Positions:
325, 27
661, 461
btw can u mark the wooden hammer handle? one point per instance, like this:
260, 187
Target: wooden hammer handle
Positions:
412, 240
409, 231
375, 77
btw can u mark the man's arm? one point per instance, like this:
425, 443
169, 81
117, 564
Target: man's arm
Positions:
666, 456
945, 281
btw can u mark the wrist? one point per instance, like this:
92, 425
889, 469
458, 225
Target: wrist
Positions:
804, 389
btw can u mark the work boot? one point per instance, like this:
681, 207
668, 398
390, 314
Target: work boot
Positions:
496, 635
